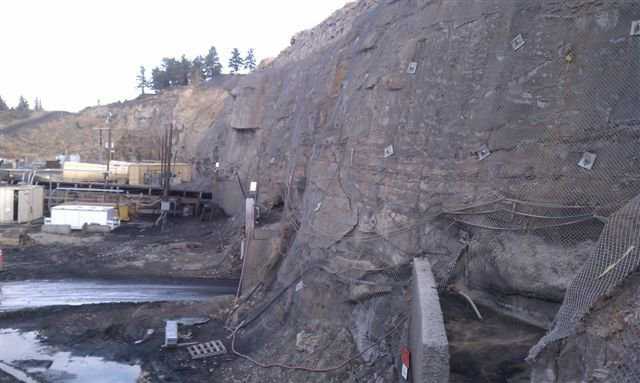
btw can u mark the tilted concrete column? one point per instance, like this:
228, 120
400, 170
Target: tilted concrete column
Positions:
427, 335
246, 247
250, 219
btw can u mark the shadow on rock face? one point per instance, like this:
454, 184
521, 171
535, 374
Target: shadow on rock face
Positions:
492, 350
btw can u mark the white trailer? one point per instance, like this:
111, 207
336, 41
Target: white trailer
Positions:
77, 216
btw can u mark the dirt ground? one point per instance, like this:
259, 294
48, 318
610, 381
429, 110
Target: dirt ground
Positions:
189, 250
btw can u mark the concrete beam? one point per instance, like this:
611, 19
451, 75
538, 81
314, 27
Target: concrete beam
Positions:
250, 218
427, 335
56, 229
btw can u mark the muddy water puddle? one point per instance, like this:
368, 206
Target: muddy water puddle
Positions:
26, 358
36, 294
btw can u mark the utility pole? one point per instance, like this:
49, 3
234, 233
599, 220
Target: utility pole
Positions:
170, 150
109, 148
166, 152
109, 144
101, 144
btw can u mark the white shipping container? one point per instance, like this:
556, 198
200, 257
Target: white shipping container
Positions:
77, 216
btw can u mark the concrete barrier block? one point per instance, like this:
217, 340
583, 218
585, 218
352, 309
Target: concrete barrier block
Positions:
56, 229
94, 228
427, 335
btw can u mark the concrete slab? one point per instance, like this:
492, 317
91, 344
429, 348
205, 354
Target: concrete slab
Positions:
94, 228
427, 335
56, 229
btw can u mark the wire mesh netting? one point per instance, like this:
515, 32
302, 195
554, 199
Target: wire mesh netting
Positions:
573, 159
603, 139
616, 256
586, 181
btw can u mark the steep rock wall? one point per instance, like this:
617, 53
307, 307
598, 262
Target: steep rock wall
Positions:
320, 145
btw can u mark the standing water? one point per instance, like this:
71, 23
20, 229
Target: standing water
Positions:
35, 294
24, 357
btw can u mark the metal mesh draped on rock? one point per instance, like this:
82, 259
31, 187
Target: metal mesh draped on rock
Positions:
616, 256
577, 170
513, 215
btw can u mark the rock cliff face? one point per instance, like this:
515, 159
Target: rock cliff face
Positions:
372, 130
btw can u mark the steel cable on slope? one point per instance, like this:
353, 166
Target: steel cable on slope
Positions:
521, 202
481, 226
243, 324
371, 237
392, 331
459, 211
528, 215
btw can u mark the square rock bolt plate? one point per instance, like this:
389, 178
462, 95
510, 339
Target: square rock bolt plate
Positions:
483, 153
388, 151
587, 161
635, 28
413, 67
517, 42
205, 350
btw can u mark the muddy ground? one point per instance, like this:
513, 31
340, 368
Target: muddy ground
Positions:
188, 248
188, 251
491, 350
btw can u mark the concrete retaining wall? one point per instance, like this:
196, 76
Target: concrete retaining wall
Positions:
427, 336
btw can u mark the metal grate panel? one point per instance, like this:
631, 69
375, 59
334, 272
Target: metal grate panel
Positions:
206, 350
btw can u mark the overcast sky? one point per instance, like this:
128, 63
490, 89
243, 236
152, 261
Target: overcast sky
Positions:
72, 53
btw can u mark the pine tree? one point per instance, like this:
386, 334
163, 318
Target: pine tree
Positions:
3, 105
37, 105
159, 79
197, 70
184, 70
142, 82
171, 67
212, 66
235, 62
250, 60
23, 105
